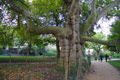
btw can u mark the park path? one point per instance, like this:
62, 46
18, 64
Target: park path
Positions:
102, 71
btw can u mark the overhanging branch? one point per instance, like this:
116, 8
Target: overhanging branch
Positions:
20, 10
100, 41
57, 31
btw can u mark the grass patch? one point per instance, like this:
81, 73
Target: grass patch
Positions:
28, 58
116, 64
115, 58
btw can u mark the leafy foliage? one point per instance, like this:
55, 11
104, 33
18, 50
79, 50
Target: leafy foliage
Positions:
96, 47
115, 35
16, 34
6, 35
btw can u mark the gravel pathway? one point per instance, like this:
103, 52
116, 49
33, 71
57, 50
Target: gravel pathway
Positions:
102, 71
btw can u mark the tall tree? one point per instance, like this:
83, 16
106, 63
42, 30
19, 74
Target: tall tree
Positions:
115, 35
73, 33
6, 36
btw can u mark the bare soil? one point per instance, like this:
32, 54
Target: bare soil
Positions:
102, 71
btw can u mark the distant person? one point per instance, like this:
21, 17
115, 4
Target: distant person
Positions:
89, 59
110, 57
106, 57
101, 58
95, 57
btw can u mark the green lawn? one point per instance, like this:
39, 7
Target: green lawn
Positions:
115, 64
23, 58
115, 58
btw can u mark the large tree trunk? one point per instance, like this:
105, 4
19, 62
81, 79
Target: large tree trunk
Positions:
71, 54
71, 57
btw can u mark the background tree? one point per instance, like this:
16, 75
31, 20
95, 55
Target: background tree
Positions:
6, 38
14, 27
96, 47
114, 30
115, 35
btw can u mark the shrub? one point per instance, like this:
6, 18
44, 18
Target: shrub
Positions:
51, 53
116, 55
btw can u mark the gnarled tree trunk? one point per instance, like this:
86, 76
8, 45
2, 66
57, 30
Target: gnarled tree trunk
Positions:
71, 53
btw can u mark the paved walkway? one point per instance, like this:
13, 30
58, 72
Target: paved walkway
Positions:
103, 71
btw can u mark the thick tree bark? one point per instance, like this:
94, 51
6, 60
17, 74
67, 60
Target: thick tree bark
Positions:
70, 47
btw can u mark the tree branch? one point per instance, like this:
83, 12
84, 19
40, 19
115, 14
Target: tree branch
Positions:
20, 10
56, 31
91, 19
96, 15
93, 7
100, 41
73, 5
105, 10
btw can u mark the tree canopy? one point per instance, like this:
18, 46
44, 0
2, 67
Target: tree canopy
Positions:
115, 35
70, 21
